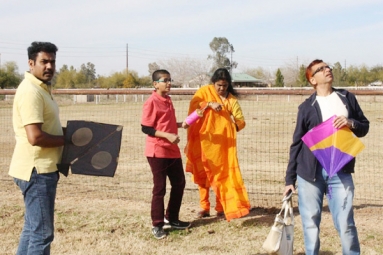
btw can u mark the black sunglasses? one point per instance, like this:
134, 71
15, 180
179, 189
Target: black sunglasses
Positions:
321, 69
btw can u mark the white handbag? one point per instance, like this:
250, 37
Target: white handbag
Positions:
281, 236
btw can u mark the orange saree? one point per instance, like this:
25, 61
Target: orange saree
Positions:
211, 154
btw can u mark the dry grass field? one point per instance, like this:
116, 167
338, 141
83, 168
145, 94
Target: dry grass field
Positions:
99, 215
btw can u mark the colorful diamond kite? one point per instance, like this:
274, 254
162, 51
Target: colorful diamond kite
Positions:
333, 147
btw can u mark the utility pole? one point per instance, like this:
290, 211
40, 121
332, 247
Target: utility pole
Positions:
231, 59
298, 71
345, 71
127, 58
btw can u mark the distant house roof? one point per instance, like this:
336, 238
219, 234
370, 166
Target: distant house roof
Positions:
242, 77
245, 80
376, 83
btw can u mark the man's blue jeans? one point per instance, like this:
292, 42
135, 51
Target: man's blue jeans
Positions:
39, 199
339, 192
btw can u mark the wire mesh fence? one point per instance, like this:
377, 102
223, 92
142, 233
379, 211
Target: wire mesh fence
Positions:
263, 146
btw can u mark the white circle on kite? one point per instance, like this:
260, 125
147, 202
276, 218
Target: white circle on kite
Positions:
101, 160
82, 136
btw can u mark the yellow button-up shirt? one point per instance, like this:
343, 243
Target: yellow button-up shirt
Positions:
33, 103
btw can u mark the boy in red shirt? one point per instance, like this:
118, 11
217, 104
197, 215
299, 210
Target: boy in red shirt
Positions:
163, 154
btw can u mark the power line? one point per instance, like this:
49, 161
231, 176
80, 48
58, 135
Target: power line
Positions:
9, 48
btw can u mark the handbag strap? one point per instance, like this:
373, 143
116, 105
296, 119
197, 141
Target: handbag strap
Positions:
289, 215
287, 208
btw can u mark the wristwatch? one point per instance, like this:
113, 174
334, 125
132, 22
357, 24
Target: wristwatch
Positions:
352, 124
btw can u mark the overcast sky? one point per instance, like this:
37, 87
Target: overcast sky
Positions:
268, 34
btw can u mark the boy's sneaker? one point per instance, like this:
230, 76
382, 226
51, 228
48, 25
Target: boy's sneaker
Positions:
177, 224
166, 224
158, 232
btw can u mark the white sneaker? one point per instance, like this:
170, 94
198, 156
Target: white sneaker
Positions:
166, 224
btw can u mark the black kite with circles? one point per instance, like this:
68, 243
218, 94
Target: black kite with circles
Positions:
91, 148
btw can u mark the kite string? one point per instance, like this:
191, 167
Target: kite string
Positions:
329, 191
327, 179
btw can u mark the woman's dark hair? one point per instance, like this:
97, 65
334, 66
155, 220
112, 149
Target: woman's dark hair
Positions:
223, 74
37, 47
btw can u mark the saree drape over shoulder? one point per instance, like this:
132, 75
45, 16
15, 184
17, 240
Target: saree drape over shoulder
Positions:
211, 152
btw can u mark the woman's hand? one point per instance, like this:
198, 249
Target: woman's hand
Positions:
215, 106
185, 125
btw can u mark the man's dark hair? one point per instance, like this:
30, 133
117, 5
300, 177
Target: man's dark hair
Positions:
308, 68
223, 74
157, 74
37, 47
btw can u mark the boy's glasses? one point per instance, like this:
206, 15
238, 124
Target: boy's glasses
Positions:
165, 80
321, 69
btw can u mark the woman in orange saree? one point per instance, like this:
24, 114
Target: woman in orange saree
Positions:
211, 150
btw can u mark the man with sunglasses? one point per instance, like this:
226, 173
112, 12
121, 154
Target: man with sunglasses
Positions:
304, 168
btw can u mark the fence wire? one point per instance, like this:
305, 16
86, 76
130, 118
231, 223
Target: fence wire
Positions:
263, 147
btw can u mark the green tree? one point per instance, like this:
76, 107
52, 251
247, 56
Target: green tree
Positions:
116, 80
377, 73
134, 80
131, 80
359, 76
123, 79
81, 81
352, 75
279, 79
339, 75
221, 47
302, 81
66, 78
72, 78
89, 72
9, 75
145, 81
364, 77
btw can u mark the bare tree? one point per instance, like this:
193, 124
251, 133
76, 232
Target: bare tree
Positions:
290, 73
293, 71
261, 73
153, 67
187, 72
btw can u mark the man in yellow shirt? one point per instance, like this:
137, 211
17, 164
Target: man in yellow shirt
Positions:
39, 141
